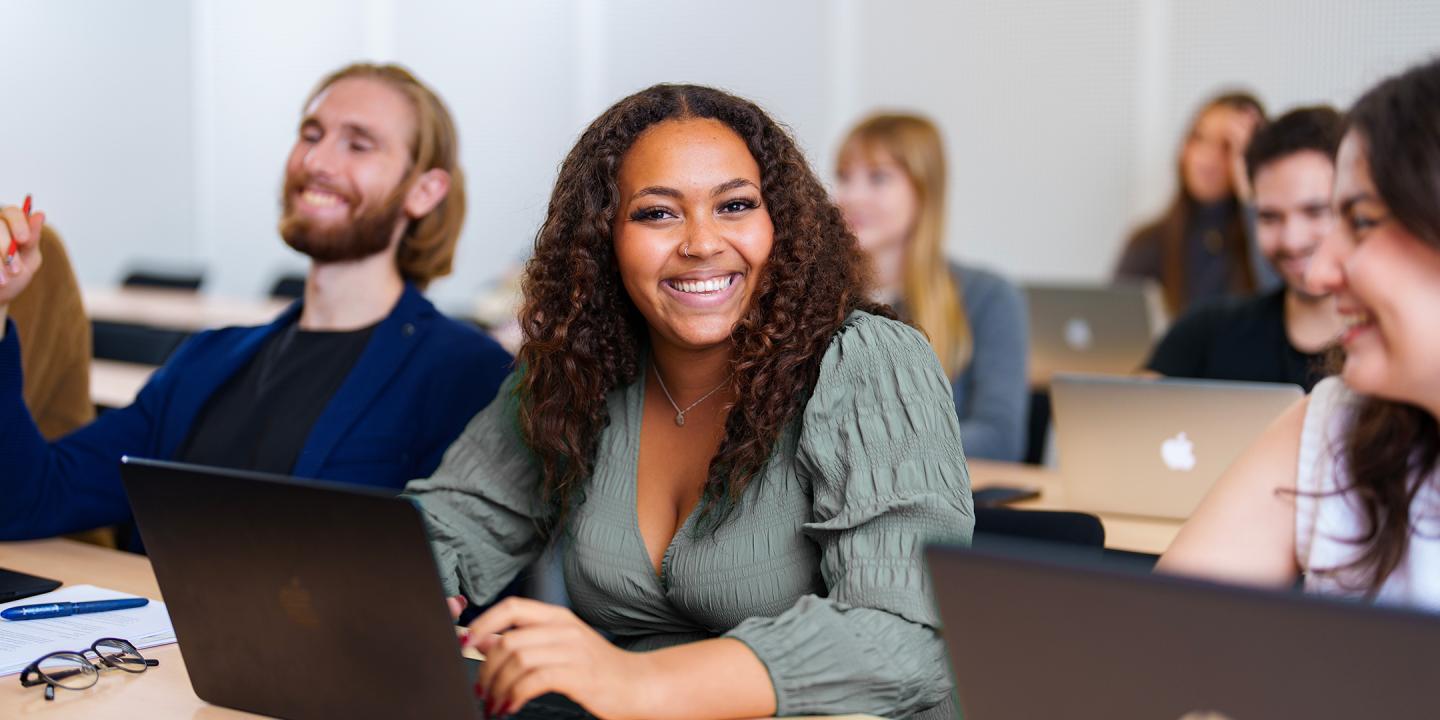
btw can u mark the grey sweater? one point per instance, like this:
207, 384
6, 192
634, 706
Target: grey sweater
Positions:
992, 393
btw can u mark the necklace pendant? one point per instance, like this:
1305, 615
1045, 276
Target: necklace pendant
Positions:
680, 419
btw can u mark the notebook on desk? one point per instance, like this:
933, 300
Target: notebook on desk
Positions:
1032, 637
22, 641
304, 599
1153, 448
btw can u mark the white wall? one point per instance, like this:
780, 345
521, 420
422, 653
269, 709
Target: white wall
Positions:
102, 132
158, 128
1063, 119
1037, 102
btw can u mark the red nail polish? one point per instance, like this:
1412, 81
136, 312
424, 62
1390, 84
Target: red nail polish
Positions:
463, 637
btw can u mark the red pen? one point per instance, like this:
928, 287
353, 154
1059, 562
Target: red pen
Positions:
14, 248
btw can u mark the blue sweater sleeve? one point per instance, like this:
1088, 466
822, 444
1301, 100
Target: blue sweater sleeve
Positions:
73, 483
463, 384
992, 394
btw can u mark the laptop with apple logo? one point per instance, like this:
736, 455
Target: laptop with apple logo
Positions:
1090, 328
1153, 447
305, 599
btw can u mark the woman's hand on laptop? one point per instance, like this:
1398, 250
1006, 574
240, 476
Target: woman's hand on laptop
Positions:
457, 604
532, 648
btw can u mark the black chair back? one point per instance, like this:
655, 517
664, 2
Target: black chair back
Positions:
1076, 535
288, 287
142, 344
163, 280
1037, 430
1069, 528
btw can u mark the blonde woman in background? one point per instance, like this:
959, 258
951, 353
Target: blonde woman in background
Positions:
892, 190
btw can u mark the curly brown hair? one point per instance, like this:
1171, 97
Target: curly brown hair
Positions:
584, 336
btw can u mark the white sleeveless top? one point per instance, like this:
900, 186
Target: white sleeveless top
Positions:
1328, 515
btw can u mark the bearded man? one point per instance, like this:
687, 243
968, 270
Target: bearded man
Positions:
362, 381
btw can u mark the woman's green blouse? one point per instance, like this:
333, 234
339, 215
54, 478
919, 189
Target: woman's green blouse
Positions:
820, 568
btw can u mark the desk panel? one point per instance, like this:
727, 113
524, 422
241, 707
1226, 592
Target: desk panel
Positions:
163, 691
177, 309
115, 384
1122, 532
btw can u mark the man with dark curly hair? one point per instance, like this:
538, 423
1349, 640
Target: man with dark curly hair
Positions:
744, 455
362, 381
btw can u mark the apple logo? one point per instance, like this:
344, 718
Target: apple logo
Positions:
1078, 335
295, 600
1178, 453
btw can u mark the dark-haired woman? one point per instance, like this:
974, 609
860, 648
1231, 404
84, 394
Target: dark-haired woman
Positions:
1359, 514
1200, 248
743, 455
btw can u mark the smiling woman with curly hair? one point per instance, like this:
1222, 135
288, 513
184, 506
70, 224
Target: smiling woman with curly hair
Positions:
742, 457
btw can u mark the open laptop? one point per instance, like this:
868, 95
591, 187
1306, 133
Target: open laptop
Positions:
304, 599
1088, 328
1036, 638
1154, 447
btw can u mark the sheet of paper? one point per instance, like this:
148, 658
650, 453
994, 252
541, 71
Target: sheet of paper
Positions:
24, 641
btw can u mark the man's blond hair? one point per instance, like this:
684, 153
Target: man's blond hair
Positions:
427, 250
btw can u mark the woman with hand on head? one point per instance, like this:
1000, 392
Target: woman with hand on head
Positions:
892, 190
1357, 514
743, 455
1200, 248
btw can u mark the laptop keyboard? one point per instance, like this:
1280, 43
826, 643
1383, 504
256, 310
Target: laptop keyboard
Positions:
551, 707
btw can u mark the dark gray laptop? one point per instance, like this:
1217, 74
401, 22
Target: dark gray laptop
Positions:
1038, 638
304, 599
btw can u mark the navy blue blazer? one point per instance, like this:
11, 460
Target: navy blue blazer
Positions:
418, 382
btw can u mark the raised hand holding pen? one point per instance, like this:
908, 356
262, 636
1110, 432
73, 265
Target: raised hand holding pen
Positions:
20, 241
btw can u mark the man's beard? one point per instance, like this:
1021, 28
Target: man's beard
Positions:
1294, 285
368, 232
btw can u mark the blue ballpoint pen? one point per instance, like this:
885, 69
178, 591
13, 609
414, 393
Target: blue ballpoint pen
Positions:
63, 609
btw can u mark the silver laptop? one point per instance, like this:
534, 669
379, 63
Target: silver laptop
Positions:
1090, 328
1154, 447
1046, 639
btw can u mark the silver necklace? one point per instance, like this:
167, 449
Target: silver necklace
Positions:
680, 414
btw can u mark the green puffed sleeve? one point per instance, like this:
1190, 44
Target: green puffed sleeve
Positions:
881, 446
480, 505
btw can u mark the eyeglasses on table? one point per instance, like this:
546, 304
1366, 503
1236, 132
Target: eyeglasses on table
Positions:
75, 670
